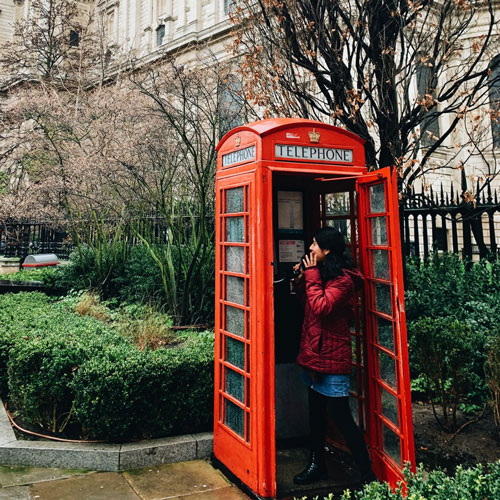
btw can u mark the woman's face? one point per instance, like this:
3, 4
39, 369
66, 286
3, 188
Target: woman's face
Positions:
318, 252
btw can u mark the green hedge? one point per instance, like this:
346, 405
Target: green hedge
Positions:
478, 483
64, 369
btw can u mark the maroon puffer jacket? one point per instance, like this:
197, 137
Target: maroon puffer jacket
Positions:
325, 344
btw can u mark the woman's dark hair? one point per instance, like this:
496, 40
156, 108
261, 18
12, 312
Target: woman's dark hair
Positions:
332, 239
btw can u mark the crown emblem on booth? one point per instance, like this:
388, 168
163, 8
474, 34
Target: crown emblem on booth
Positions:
314, 136
237, 141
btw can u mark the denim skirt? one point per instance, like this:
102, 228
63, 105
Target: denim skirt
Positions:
328, 384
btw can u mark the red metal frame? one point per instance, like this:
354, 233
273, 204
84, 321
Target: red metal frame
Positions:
246, 158
386, 465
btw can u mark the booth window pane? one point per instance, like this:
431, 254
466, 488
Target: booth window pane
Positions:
387, 368
385, 333
337, 203
235, 259
235, 352
383, 298
377, 199
341, 225
234, 417
353, 405
389, 406
380, 264
234, 200
235, 290
392, 445
235, 384
379, 230
235, 321
235, 229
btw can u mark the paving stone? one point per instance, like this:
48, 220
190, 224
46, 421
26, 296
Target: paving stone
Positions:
98, 486
6, 432
204, 444
229, 493
18, 475
173, 480
70, 455
158, 451
15, 493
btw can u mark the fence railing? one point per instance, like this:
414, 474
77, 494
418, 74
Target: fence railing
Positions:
22, 238
431, 221
452, 222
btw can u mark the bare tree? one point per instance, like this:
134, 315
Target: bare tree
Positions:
59, 41
409, 77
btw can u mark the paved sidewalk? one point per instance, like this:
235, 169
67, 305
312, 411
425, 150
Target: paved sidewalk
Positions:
194, 480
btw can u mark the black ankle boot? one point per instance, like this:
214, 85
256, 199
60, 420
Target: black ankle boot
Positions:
314, 471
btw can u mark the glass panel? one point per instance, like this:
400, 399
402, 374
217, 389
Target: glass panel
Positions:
377, 198
235, 384
235, 290
385, 334
380, 264
379, 230
387, 368
234, 200
392, 445
234, 417
337, 203
389, 406
344, 226
235, 259
383, 298
353, 404
235, 321
248, 427
235, 229
235, 352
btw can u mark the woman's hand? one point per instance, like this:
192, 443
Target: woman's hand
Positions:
309, 260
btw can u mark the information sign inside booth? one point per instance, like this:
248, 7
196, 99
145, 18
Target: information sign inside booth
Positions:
278, 181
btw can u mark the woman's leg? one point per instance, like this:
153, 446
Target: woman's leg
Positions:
341, 415
316, 468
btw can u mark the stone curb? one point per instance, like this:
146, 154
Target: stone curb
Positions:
100, 457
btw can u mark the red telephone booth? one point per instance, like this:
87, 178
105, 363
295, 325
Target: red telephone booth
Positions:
278, 181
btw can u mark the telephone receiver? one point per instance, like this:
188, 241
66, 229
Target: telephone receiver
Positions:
301, 267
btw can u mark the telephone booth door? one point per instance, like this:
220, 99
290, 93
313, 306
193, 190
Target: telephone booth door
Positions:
390, 433
258, 163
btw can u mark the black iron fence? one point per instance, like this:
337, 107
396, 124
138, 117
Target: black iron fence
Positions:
22, 238
431, 221
453, 221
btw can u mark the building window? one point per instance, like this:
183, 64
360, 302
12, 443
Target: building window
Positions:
231, 106
227, 6
160, 34
74, 38
494, 91
426, 88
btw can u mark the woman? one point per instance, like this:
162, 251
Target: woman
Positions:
329, 283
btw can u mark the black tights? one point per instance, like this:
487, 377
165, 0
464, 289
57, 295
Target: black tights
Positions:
340, 412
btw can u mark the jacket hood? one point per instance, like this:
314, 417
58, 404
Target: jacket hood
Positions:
356, 276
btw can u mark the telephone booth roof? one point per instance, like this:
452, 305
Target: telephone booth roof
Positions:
290, 140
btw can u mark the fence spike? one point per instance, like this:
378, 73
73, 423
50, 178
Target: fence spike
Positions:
442, 194
452, 195
478, 189
489, 199
464, 181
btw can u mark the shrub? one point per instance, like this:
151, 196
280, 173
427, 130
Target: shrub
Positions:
477, 483
492, 371
42, 365
65, 369
126, 394
448, 356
